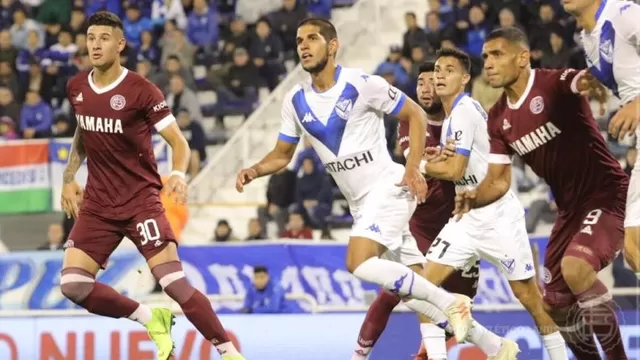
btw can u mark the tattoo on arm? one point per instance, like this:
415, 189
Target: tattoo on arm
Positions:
76, 158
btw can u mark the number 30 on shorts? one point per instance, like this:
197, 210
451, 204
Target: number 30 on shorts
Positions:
149, 231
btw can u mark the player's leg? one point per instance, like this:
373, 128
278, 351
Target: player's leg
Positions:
155, 240
594, 247
632, 248
375, 322
90, 243
632, 223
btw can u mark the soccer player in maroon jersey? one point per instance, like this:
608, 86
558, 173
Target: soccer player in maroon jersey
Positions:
117, 111
543, 119
425, 224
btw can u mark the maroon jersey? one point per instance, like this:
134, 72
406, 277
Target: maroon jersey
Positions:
553, 130
116, 123
435, 212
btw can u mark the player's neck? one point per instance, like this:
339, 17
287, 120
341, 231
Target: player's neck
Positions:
517, 89
587, 19
325, 78
106, 77
448, 102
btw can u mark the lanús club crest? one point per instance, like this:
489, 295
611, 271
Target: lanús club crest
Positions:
117, 102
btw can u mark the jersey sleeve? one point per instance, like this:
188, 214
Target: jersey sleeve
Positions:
499, 151
462, 126
627, 23
155, 108
566, 80
290, 130
382, 96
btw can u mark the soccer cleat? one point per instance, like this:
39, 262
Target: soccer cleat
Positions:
233, 357
508, 351
159, 329
459, 314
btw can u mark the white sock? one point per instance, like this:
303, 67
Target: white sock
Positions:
487, 341
431, 311
556, 346
142, 314
433, 338
403, 281
360, 353
227, 349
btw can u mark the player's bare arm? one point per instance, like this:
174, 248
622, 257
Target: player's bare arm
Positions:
275, 160
71, 190
494, 186
450, 169
176, 184
417, 120
625, 121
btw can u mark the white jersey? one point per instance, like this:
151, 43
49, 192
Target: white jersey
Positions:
467, 125
345, 127
612, 49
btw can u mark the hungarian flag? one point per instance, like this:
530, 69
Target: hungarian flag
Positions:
24, 176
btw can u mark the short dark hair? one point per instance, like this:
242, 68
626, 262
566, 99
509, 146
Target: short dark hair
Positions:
512, 34
327, 30
460, 55
105, 18
260, 269
427, 66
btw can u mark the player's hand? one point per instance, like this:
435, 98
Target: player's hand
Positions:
244, 177
589, 86
464, 203
625, 120
416, 183
177, 187
71, 199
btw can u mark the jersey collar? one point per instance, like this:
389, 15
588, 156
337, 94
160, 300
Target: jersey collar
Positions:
336, 76
457, 100
527, 90
109, 87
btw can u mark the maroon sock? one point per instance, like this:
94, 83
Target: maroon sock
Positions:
377, 317
200, 313
105, 301
579, 338
596, 306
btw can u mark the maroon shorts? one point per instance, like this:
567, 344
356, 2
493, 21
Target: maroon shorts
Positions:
595, 235
99, 237
460, 282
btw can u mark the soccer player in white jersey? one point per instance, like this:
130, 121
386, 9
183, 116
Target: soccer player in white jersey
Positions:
340, 110
496, 232
611, 40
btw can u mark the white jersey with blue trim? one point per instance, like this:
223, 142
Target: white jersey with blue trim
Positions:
612, 49
467, 125
345, 127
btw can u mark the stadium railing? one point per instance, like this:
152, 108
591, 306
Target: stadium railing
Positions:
164, 301
360, 23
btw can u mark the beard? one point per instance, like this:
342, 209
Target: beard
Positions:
319, 66
434, 108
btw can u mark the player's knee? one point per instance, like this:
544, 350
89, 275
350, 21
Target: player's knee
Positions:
76, 284
632, 247
576, 271
173, 281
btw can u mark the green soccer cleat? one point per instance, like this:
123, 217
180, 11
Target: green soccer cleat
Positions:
233, 357
159, 329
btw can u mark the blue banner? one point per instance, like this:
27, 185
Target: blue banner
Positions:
30, 280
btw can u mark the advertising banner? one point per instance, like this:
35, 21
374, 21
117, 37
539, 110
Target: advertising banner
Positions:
30, 280
24, 176
263, 337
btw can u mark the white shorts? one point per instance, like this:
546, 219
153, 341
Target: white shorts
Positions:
384, 218
632, 215
506, 246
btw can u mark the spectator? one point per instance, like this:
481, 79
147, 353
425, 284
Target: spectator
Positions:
7, 8
145, 68
168, 10
436, 31
240, 91
559, 55
296, 228
55, 236
417, 57
63, 127
64, 43
307, 152
506, 19
486, 95
7, 51
285, 22
268, 54
81, 43
148, 49
252, 10
134, 25
540, 31
254, 230
172, 67
78, 24
266, 296
8, 106
238, 37
394, 64
93, 6
51, 32
180, 96
8, 78
8, 129
476, 32
223, 232
461, 14
313, 195
178, 46
624, 277
37, 81
21, 28
631, 158
31, 52
36, 117
414, 36
202, 26
279, 198
193, 132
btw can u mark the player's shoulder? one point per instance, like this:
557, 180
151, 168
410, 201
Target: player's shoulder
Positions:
79, 79
137, 80
496, 111
469, 108
621, 12
288, 96
362, 80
